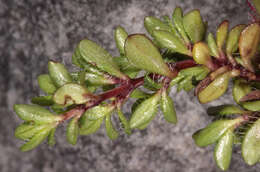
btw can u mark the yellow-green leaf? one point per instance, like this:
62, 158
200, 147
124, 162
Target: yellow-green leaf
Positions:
46, 84
194, 26
145, 111
58, 73
72, 94
248, 44
111, 131
221, 34
36, 114
73, 131
153, 23
223, 150
215, 89
214, 131
251, 144
120, 37
167, 107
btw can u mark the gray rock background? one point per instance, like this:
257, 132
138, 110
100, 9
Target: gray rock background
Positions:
33, 32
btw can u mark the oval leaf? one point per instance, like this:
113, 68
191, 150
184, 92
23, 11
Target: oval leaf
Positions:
201, 53
124, 121
89, 126
26, 131
58, 73
221, 34
35, 113
171, 42
72, 94
120, 37
167, 108
215, 89
99, 111
153, 23
73, 131
212, 45
233, 38
46, 84
194, 26
225, 110
145, 111
51, 137
96, 55
36, 140
240, 89
251, 144
223, 150
141, 52
111, 131
177, 19
248, 44
214, 131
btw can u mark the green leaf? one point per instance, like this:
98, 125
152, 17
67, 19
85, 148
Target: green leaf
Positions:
124, 122
111, 131
214, 131
73, 131
46, 84
51, 137
150, 83
176, 80
225, 110
72, 94
152, 23
233, 38
35, 113
194, 26
221, 34
251, 144
167, 107
170, 41
89, 126
145, 111
58, 73
178, 22
96, 80
124, 64
120, 37
138, 94
252, 105
248, 44
26, 130
36, 139
223, 150
141, 52
199, 72
43, 100
185, 84
215, 89
59, 109
201, 53
240, 89
99, 111
212, 45
96, 55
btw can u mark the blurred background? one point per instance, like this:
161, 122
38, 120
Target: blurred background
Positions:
35, 31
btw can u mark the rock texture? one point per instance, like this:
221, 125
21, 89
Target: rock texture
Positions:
33, 32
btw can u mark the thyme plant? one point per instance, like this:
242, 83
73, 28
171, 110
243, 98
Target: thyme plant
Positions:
179, 54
